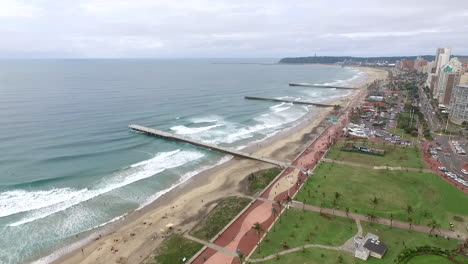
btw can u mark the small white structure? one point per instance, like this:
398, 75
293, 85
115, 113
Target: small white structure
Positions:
370, 245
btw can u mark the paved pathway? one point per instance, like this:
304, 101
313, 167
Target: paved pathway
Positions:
211, 245
347, 247
373, 167
382, 221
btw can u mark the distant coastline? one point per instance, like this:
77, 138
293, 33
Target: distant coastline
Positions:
330, 60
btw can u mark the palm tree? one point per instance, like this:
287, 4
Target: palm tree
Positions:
288, 201
258, 229
410, 221
375, 202
347, 211
275, 213
409, 209
303, 204
321, 206
280, 205
391, 220
334, 205
433, 225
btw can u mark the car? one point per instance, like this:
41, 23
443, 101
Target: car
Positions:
464, 171
435, 156
447, 154
438, 148
442, 168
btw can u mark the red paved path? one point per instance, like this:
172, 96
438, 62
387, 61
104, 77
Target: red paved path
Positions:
240, 235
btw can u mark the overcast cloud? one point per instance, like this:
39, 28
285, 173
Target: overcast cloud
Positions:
237, 28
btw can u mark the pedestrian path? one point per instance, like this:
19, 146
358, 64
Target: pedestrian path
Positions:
382, 221
373, 167
211, 245
346, 247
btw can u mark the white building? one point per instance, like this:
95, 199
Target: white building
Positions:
459, 104
442, 58
370, 245
448, 77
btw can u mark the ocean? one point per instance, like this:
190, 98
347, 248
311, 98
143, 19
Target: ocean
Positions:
69, 163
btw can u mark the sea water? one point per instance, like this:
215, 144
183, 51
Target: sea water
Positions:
69, 163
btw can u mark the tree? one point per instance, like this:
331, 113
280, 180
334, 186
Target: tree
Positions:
258, 229
347, 211
433, 225
275, 213
280, 205
391, 220
410, 221
375, 202
409, 209
303, 204
321, 206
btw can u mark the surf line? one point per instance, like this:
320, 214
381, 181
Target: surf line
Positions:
166, 135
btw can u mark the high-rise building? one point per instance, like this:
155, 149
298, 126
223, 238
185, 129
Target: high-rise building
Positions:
448, 78
442, 58
459, 104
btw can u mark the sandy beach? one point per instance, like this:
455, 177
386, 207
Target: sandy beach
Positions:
137, 235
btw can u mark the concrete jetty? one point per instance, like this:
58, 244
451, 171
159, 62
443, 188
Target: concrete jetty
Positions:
287, 101
166, 135
321, 86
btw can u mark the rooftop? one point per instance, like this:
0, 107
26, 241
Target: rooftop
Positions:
376, 246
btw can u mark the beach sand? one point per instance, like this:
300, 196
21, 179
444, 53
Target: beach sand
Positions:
137, 235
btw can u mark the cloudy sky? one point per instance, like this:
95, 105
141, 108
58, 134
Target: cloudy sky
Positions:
230, 28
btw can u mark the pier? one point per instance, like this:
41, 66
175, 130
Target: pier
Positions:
287, 101
236, 153
321, 86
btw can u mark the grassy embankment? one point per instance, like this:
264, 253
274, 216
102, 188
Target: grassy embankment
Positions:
395, 156
396, 239
386, 193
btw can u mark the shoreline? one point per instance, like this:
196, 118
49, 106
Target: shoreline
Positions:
184, 204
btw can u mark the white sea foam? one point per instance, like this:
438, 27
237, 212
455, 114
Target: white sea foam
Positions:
206, 119
183, 130
182, 180
18, 201
161, 162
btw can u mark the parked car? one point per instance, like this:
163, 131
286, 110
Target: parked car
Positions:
464, 171
442, 169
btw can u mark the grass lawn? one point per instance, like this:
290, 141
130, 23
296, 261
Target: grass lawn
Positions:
407, 157
314, 256
430, 259
219, 217
429, 196
402, 133
396, 239
174, 249
299, 228
259, 180
392, 237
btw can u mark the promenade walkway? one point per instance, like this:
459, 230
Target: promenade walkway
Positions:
240, 236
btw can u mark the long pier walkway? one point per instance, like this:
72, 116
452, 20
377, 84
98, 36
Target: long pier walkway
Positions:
287, 101
158, 133
321, 86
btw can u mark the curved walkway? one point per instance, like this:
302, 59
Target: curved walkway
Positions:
347, 247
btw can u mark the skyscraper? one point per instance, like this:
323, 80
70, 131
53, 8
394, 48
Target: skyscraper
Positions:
442, 58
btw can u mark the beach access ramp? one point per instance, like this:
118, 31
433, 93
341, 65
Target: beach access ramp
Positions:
236, 153
321, 86
287, 101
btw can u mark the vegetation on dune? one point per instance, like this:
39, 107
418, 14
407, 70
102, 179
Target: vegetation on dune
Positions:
259, 180
219, 217
174, 249
409, 196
